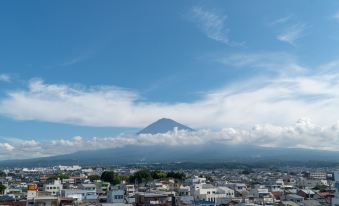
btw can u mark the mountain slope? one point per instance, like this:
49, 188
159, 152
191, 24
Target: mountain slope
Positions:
209, 153
162, 126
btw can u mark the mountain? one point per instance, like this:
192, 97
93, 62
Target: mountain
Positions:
202, 154
208, 153
162, 126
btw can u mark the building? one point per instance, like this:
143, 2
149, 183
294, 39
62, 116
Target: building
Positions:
306, 193
218, 195
318, 175
79, 195
295, 198
54, 188
154, 199
116, 196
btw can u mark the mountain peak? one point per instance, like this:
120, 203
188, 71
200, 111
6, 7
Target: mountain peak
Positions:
163, 125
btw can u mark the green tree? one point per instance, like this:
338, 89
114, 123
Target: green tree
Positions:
176, 175
158, 175
94, 177
141, 176
108, 176
62, 176
2, 188
2, 174
111, 177
320, 187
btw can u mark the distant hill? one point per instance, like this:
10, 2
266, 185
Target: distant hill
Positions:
162, 126
162, 153
202, 154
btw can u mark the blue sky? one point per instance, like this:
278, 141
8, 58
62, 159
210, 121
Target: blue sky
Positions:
99, 69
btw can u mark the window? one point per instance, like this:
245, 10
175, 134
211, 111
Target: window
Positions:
118, 197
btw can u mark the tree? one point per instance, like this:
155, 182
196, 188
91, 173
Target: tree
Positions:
2, 188
2, 174
108, 176
140, 176
112, 177
60, 176
158, 175
320, 187
209, 179
94, 177
176, 175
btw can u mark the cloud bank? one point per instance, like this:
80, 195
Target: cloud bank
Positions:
280, 100
302, 134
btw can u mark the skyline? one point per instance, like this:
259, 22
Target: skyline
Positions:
73, 74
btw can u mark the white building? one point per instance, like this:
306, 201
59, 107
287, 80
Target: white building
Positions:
54, 188
69, 168
196, 180
218, 195
129, 190
79, 195
184, 190
261, 195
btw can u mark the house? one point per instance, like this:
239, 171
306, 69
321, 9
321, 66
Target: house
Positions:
324, 197
203, 203
278, 195
288, 203
154, 199
196, 180
210, 193
311, 203
129, 190
306, 193
184, 190
295, 198
79, 195
54, 188
116, 196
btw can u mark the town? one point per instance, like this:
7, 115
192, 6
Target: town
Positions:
143, 186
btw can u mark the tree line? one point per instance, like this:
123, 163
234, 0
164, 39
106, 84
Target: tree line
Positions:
138, 177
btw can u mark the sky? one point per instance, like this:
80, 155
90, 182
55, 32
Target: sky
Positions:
77, 75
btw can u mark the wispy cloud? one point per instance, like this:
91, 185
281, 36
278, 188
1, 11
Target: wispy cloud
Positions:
211, 24
292, 34
336, 16
80, 58
279, 100
5, 77
281, 20
275, 62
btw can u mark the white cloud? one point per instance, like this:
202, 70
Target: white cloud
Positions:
211, 24
281, 20
279, 100
292, 33
277, 62
336, 16
303, 134
7, 147
272, 104
5, 78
